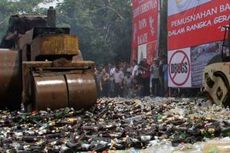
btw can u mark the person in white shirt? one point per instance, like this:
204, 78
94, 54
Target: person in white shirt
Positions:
135, 69
111, 88
118, 76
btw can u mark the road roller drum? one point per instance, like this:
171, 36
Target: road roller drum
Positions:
71, 85
57, 91
82, 90
50, 91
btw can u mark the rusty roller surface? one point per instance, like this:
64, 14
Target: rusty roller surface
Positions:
10, 80
51, 92
82, 90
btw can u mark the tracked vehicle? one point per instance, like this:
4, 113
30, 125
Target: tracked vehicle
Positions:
41, 66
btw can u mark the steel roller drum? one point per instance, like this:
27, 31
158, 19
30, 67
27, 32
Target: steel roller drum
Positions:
10, 79
50, 91
82, 90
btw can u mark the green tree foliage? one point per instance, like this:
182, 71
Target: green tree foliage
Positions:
103, 26
10, 7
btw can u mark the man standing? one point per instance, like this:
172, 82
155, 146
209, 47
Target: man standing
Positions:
155, 77
118, 80
145, 76
135, 69
165, 78
105, 82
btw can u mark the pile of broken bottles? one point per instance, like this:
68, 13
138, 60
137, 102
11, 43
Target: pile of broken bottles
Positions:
113, 124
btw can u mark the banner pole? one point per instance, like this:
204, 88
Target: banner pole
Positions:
158, 28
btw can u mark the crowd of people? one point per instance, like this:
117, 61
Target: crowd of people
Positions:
133, 80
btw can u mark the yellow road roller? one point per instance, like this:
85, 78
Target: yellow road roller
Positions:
216, 76
41, 66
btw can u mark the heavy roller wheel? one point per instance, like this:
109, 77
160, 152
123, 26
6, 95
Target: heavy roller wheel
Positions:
82, 90
67, 90
50, 92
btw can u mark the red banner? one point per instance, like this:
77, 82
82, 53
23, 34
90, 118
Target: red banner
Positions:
145, 23
199, 24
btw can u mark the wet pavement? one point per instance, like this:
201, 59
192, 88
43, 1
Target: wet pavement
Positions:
117, 125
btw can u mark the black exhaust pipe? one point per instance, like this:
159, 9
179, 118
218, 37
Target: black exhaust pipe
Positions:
51, 17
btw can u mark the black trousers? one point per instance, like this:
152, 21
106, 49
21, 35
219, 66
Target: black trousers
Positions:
146, 87
118, 90
155, 86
